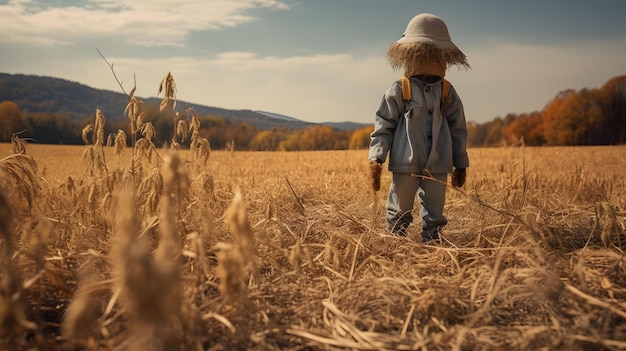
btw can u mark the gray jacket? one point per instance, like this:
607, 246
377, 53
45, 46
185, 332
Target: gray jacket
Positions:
420, 137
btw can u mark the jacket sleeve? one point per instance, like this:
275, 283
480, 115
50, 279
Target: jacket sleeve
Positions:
388, 115
458, 130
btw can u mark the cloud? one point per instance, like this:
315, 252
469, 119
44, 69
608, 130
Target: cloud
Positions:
137, 22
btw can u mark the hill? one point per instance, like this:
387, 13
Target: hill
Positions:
38, 94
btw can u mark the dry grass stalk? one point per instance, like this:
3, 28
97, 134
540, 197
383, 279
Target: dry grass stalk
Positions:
20, 178
231, 272
200, 146
94, 155
148, 132
609, 224
182, 129
168, 87
240, 229
81, 322
149, 193
120, 142
13, 322
21, 170
296, 256
85, 134
174, 184
98, 127
168, 105
134, 113
144, 147
333, 256
236, 260
230, 146
19, 145
146, 283
206, 185
167, 255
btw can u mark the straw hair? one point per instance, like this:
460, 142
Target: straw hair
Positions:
423, 58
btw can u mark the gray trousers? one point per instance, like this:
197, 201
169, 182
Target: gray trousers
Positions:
431, 196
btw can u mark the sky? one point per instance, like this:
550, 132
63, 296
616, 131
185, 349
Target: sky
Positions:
314, 60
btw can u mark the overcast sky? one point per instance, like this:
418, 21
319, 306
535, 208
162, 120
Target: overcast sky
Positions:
315, 60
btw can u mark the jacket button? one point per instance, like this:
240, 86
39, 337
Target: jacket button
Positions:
427, 89
430, 112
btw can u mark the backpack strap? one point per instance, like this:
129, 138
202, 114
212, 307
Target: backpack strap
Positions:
445, 90
407, 94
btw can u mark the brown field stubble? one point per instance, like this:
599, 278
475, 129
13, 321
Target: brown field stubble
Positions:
287, 251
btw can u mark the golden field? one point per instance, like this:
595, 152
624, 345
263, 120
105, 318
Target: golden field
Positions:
287, 251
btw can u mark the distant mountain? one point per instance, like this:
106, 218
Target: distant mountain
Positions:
277, 116
78, 102
336, 125
346, 125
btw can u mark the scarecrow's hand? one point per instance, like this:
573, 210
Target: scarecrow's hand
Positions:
458, 177
376, 168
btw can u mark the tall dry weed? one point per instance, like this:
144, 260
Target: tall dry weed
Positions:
135, 115
94, 156
168, 104
199, 146
168, 88
236, 261
149, 192
83, 321
19, 176
146, 282
143, 147
13, 321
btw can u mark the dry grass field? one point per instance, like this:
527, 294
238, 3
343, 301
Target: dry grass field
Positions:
287, 251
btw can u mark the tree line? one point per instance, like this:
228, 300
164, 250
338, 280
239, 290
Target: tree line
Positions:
585, 117
47, 128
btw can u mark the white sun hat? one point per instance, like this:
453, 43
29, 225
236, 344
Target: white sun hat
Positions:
429, 29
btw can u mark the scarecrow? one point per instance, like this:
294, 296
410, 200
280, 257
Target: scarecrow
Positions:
424, 132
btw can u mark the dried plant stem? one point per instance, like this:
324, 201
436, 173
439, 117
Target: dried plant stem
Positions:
13, 322
596, 302
112, 71
293, 192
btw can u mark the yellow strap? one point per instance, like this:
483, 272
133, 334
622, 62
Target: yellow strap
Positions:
445, 90
406, 88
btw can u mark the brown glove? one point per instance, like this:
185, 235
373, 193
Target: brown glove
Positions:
375, 169
458, 177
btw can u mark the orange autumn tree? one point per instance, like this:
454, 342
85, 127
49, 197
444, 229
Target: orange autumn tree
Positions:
322, 138
614, 106
574, 118
360, 138
10, 120
526, 129
266, 140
